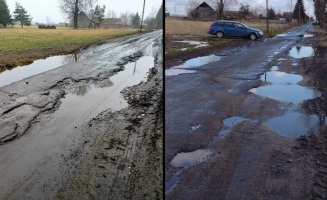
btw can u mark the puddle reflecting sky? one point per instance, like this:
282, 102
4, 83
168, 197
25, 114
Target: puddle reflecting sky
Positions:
294, 124
287, 93
37, 67
95, 99
232, 121
175, 72
277, 77
172, 182
199, 61
191, 158
301, 52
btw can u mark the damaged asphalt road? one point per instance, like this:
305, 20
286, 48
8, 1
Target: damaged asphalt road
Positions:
237, 134
79, 128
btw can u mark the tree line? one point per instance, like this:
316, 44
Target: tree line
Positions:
19, 15
221, 6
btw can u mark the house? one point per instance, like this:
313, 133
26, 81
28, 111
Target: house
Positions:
203, 12
112, 23
83, 20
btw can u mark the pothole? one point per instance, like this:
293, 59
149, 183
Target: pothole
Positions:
301, 52
294, 124
37, 67
176, 72
189, 159
86, 101
278, 77
172, 182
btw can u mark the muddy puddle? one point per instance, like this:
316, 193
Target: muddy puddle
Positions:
198, 44
294, 124
37, 67
189, 159
96, 98
301, 52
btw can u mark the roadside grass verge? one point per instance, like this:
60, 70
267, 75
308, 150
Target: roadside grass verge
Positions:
18, 39
22, 46
181, 30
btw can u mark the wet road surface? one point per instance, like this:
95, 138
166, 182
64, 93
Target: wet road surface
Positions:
44, 115
247, 110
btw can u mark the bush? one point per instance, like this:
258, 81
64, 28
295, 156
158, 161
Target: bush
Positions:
46, 27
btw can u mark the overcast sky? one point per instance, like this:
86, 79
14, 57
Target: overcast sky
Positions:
180, 6
41, 9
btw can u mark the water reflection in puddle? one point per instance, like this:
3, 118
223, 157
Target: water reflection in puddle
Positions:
191, 158
287, 93
294, 124
301, 52
307, 35
277, 77
37, 67
199, 61
232, 121
95, 99
175, 72
172, 182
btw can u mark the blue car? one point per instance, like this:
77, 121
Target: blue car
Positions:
223, 28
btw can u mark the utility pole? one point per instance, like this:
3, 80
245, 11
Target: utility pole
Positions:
142, 16
267, 17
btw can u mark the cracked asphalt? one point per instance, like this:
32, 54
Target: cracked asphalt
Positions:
46, 146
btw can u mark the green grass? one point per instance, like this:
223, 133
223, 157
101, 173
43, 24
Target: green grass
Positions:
32, 38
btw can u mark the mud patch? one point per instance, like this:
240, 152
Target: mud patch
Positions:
189, 159
301, 52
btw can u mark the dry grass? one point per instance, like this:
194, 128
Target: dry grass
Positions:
30, 38
200, 28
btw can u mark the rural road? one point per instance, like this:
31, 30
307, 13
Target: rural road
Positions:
235, 124
88, 129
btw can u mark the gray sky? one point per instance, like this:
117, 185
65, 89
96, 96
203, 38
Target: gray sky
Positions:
279, 5
41, 9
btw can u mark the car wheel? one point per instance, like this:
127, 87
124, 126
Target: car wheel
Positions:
219, 34
253, 36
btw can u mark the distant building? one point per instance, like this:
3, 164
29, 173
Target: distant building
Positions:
228, 14
113, 23
287, 16
83, 20
204, 12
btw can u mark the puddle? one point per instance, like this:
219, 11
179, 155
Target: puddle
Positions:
301, 52
277, 77
281, 59
199, 61
175, 72
286, 93
197, 43
274, 68
191, 158
95, 99
281, 35
307, 35
39, 66
232, 121
183, 49
194, 128
294, 124
172, 182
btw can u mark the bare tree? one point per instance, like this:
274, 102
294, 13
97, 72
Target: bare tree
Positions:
222, 5
320, 11
258, 10
71, 8
190, 7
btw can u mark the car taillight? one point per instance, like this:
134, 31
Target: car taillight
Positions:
210, 27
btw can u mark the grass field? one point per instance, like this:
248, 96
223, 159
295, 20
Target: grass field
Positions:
29, 38
200, 28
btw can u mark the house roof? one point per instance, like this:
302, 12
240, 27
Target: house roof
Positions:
204, 5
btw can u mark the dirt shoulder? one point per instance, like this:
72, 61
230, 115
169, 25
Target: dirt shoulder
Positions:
126, 161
